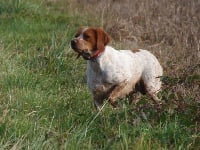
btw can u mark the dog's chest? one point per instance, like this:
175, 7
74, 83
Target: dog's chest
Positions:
103, 78
97, 80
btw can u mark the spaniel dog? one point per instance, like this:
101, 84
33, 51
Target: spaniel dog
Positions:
114, 74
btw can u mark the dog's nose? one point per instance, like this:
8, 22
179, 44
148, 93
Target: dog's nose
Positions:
73, 43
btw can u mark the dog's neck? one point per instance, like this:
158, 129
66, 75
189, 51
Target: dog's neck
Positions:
95, 55
96, 64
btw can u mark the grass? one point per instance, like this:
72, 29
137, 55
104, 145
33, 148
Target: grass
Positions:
44, 101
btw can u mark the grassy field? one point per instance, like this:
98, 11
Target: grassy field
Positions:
44, 101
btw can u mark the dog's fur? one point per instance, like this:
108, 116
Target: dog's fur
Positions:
114, 74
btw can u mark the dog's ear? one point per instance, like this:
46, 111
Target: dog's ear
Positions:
102, 39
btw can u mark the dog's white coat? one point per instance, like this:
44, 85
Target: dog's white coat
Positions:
115, 66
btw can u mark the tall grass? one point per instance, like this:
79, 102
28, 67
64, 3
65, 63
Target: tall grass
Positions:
44, 101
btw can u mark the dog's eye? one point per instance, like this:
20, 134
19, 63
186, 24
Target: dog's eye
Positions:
86, 36
77, 35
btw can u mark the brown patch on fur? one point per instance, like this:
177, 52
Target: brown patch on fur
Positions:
135, 50
116, 93
94, 38
88, 41
102, 38
111, 95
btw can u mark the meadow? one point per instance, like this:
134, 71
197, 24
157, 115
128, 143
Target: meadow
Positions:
44, 100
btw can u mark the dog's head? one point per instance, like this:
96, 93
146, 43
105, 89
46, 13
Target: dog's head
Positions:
90, 42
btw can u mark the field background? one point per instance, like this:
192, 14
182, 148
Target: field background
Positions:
44, 101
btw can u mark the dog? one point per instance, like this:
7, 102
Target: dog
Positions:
113, 74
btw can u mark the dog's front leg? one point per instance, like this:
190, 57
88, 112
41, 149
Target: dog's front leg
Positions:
98, 102
116, 93
98, 96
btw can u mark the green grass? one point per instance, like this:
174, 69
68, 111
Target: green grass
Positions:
44, 101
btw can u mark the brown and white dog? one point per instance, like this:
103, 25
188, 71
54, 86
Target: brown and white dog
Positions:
114, 74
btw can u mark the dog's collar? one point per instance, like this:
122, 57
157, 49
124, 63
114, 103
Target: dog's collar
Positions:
93, 57
96, 54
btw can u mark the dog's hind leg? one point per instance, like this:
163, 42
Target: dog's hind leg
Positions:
153, 89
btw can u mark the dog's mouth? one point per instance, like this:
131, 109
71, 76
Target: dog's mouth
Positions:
81, 52
84, 53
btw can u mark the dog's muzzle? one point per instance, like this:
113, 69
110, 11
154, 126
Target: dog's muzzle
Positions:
84, 53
